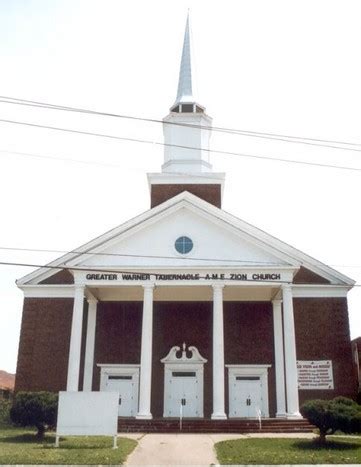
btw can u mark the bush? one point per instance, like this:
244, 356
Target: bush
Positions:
331, 415
5, 406
37, 409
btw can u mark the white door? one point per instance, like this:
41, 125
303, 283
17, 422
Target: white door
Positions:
182, 390
126, 386
245, 399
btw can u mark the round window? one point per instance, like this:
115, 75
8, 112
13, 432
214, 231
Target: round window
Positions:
183, 245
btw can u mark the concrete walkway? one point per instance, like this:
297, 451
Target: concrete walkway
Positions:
173, 449
186, 449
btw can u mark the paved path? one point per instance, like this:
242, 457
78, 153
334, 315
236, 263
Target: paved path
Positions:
186, 449
173, 449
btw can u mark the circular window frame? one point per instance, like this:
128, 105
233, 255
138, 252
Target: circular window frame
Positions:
187, 239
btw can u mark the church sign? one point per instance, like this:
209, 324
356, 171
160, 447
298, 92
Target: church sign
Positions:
184, 277
314, 374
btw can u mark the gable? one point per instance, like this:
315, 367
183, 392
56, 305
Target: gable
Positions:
219, 239
153, 245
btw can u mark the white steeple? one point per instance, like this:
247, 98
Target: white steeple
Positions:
186, 111
185, 84
186, 126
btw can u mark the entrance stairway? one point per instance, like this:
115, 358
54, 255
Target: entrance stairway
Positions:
269, 425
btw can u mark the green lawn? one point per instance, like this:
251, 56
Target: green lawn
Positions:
345, 450
20, 446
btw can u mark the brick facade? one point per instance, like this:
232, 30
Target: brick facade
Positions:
44, 344
322, 332
208, 192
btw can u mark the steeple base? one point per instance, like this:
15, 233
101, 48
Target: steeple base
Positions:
208, 187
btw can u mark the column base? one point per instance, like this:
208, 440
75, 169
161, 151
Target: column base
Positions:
281, 415
293, 416
144, 416
219, 416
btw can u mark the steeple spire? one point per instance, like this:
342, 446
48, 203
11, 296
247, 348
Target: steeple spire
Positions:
186, 101
185, 85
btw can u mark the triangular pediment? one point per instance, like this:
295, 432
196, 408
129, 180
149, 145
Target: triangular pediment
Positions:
219, 240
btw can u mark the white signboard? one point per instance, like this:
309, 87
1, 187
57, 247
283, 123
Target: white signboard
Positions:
315, 374
87, 413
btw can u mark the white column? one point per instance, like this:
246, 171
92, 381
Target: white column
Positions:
146, 355
89, 345
218, 354
75, 340
290, 354
279, 358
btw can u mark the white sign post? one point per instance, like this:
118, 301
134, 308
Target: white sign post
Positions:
314, 374
87, 414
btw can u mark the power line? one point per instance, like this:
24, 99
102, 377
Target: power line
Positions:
96, 163
255, 134
149, 273
215, 151
117, 271
128, 255
89, 252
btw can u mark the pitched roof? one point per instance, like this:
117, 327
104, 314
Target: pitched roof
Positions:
185, 199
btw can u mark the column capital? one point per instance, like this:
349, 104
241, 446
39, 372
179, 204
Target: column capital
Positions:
148, 286
277, 301
79, 287
286, 287
217, 286
92, 300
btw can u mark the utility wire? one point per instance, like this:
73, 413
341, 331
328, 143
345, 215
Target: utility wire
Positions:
254, 134
127, 255
96, 163
136, 140
89, 252
149, 273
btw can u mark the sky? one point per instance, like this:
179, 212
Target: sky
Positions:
286, 67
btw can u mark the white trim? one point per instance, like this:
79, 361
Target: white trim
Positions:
205, 178
48, 291
252, 370
298, 290
117, 365
185, 199
318, 291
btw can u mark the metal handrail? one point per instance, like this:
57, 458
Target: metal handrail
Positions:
181, 416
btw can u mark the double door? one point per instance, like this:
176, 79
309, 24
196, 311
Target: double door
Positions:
125, 381
245, 397
182, 395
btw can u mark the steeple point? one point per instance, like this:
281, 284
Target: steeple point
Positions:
186, 101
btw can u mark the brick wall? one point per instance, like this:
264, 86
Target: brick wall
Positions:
322, 333
44, 344
207, 192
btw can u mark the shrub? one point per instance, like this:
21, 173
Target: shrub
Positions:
5, 406
37, 409
331, 415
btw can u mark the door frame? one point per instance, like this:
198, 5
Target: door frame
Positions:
260, 371
183, 363
107, 369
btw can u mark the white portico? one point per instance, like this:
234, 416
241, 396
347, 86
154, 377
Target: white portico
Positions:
204, 289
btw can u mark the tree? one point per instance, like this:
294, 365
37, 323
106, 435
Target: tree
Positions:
37, 409
331, 415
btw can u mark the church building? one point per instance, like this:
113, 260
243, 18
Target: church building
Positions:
187, 309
